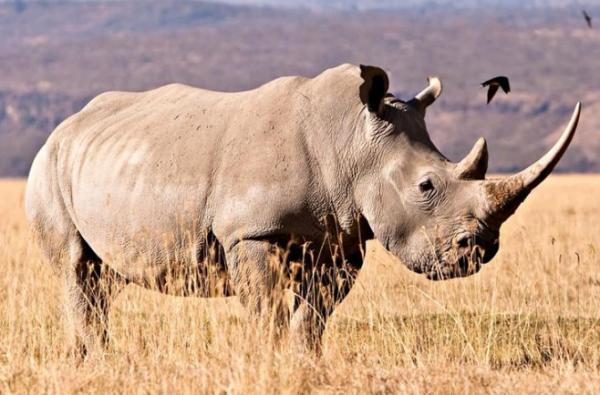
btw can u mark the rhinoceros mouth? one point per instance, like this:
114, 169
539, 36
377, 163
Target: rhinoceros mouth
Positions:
463, 266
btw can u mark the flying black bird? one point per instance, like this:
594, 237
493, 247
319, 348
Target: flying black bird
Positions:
588, 18
494, 84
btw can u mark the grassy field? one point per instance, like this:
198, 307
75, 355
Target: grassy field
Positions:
528, 322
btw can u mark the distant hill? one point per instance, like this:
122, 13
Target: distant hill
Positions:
55, 56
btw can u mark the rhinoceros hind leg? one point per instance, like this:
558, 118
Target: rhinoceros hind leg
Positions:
90, 287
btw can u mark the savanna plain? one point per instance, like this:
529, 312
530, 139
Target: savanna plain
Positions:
528, 322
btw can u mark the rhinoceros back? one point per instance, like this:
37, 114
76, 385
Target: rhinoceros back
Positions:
144, 176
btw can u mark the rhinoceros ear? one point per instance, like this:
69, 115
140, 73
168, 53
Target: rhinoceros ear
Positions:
374, 87
427, 95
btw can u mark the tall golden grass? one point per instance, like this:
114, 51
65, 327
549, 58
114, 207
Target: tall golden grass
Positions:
528, 322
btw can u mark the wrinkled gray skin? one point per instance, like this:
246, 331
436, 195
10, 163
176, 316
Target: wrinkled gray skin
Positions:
306, 170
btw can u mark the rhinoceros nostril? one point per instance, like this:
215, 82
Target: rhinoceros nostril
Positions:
464, 241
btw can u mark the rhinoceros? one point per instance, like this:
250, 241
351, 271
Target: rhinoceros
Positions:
252, 193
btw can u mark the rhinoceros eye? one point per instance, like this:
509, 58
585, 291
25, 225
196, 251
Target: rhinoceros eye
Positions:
426, 186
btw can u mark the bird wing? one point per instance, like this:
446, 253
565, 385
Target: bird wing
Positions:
491, 92
504, 84
587, 17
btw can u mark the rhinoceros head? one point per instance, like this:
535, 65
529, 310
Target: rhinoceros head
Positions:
440, 218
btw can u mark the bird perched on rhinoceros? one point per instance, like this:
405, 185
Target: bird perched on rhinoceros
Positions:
251, 192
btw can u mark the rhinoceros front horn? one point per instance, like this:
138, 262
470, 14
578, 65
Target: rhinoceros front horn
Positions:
505, 195
428, 95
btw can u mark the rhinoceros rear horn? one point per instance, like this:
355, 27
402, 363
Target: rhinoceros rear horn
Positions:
474, 165
428, 95
505, 195
374, 88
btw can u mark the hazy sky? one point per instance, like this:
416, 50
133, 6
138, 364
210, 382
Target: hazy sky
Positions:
377, 4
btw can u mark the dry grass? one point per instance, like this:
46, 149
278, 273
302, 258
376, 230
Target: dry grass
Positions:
527, 323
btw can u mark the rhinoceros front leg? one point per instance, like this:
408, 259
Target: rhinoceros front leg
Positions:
90, 286
321, 290
257, 271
